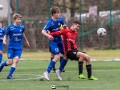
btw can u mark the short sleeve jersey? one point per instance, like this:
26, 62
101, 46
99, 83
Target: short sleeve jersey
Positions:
15, 34
53, 26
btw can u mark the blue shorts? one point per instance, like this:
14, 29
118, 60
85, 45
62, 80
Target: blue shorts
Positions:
1, 47
56, 48
13, 53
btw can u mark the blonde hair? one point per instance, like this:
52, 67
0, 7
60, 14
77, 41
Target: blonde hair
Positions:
16, 15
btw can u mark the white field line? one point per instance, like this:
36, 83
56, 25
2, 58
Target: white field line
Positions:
37, 77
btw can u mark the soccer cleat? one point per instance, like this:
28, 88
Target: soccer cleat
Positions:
10, 77
92, 78
1, 68
58, 72
46, 75
81, 76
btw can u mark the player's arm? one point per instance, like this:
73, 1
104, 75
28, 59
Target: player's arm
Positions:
6, 33
44, 32
58, 33
5, 39
26, 40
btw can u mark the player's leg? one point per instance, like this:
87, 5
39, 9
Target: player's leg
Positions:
55, 51
54, 69
1, 52
1, 55
80, 68
17, 55
83, 56
9, 61
63, 62
72, 55
61, 67
52, 56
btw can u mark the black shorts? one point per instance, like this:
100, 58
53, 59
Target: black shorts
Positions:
72, 55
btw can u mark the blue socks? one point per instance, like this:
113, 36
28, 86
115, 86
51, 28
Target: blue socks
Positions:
12, 69
1, 58
50, 66
62, 64
2, 65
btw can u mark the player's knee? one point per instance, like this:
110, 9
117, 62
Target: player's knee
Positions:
88, 59
16, 59
56, 57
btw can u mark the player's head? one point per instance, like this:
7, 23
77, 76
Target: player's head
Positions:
55, 12
75, 25
17, 18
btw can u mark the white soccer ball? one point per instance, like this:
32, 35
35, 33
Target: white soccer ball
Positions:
101, 32
1, 7
53, 86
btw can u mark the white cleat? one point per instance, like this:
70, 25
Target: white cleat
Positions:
58, 72
46, 75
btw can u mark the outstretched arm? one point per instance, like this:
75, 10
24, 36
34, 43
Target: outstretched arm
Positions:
58, 33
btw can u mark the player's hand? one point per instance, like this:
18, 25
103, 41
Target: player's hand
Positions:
50, 37
27, 43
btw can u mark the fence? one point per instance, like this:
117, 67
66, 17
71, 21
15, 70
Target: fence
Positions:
92, 13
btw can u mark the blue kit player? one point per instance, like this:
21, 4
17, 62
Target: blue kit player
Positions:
16, 35
2, 32
56, 46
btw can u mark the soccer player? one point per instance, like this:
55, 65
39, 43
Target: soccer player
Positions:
55, 44
71, 50
2, 32
16, 35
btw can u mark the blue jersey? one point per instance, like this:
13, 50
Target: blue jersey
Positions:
15, 34
2, 32
53, 26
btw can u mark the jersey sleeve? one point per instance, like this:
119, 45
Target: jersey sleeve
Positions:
58, 33
47, 26
7, 31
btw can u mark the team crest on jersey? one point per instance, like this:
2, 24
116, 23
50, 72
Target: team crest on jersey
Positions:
20, 30
59, 24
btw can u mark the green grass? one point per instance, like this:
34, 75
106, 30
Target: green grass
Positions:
28, 72
34, 64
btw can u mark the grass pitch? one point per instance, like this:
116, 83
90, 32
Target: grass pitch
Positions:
30, 69
28, 73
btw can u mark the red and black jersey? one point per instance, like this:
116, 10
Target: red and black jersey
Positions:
69, 38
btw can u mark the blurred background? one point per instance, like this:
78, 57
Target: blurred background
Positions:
92, 13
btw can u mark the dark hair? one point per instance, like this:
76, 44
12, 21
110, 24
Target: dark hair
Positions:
54, 10
76, 22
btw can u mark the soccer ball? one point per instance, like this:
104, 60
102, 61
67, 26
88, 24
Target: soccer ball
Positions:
53, 86
1, 7
101, 32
